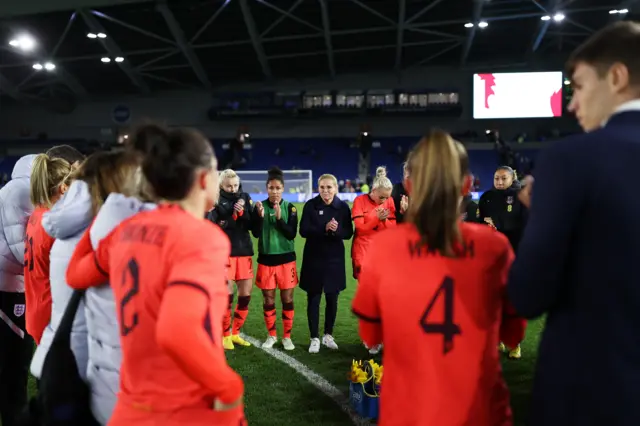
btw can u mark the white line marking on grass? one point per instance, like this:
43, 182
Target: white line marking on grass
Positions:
315, 379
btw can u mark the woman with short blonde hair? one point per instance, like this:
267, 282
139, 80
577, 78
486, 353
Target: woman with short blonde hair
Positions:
326, 223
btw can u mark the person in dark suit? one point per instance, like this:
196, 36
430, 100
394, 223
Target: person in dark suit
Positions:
326, 222
578, 258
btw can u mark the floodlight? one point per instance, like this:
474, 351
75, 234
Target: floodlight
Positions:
37, 67
119, 59
23, 42
483, 24
106, 60
558, 17
49, 66
468, 25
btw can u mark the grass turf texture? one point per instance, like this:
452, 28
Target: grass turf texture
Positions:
276, 394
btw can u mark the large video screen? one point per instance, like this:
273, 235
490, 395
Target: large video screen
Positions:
517, 95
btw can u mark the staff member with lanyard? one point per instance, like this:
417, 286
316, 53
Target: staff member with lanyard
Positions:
501, 209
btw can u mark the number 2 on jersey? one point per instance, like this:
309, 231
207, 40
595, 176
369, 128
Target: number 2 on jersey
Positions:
131, 274
447, 327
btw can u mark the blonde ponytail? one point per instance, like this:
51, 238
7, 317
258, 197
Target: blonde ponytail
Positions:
47, 175
437, 167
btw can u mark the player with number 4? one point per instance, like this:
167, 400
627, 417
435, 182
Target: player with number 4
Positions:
433, 290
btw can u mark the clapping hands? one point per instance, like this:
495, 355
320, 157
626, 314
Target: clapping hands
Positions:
332, 225
404, 204
525, 193
383, 214
260, 208
239, 206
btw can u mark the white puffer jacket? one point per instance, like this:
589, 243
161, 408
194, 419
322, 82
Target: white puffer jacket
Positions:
66, 222
15, 209
105, 356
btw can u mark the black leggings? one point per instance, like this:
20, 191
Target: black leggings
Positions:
15, 357
313, 312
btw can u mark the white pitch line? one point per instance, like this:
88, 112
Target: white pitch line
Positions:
315, 379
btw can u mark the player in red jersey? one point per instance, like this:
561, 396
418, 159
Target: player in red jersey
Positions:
167, 269
371, 213
433, 290
50, 178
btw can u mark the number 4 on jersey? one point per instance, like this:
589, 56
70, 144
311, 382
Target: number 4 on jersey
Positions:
447, 327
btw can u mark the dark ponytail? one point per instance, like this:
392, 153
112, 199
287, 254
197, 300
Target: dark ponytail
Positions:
172, 159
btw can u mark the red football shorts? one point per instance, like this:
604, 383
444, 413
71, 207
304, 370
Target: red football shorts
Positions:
240, 268
282, 277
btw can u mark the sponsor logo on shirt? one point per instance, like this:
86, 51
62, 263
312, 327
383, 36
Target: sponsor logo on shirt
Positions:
509, 200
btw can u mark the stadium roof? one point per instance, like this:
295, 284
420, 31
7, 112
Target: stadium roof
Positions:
209, 43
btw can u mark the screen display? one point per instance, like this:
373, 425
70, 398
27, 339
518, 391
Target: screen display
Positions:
517, 95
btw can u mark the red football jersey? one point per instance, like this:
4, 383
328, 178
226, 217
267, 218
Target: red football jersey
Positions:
167, 270
440, 320
367, 224
37, 287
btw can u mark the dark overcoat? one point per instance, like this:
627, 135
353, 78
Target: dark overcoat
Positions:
323, 264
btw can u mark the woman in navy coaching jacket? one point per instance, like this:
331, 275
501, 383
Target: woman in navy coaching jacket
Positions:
326, 222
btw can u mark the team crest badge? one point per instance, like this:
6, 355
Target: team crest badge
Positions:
18, 310
509, 200
477, 212
293, 210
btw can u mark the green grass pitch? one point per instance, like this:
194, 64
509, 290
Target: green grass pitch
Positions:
276, 394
